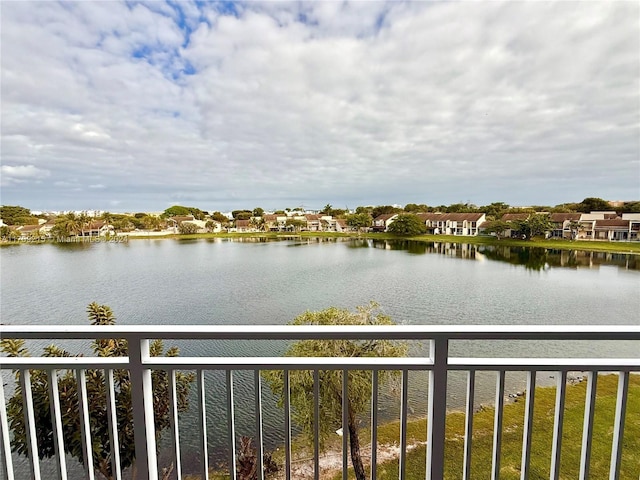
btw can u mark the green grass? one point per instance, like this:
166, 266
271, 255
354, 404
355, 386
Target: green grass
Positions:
541, 437
513, 416
595, 246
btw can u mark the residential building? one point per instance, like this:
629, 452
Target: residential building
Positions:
562, 223
452, 223
381, 222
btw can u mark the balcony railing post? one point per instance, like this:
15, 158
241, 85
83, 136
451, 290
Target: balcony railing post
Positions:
30, 423
7, 464
439, 352
142, 403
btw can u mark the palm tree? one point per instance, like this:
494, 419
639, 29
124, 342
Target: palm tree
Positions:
574, 228
72, 224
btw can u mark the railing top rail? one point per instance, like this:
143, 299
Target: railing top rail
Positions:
324, 363
301, 332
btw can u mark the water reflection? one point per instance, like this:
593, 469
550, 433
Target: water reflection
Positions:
531, 258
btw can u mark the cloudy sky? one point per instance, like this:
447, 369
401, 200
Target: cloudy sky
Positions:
140, 105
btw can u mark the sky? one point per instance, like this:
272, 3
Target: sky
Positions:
136, 106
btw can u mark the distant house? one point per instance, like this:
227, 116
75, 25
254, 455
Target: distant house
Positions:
274, 222
467, 224
341, 225
513, 217
243, 226
28, 231
634, 225
178, 219
612, 230
314, 223
562, 224
97, 228
381, 222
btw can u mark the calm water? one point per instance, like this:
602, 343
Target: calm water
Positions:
232, 282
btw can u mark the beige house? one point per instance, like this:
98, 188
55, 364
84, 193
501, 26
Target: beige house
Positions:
381, 222
467, 224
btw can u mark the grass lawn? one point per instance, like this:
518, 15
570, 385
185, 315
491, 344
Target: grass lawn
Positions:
389, 434
595, 246
541, 438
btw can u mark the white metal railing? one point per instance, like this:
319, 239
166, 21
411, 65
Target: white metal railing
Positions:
140, 365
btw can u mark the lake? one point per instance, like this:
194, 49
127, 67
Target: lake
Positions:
216, 281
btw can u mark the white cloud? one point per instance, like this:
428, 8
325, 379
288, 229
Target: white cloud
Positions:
363, 102
21, 173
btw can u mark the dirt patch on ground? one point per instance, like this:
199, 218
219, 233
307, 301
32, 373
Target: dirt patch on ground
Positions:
331, 461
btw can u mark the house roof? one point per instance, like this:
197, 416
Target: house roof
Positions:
608, 224
182, 218
242, 223
510, 217
455, 217
385, 216
29, 228
269, 217
429, 216
460, 217
97, 225
312, 217
562, 217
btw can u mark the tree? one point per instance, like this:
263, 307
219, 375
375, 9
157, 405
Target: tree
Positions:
495, 209
415, 208
361, 221
295, 223
359, 382
179, 210
383, 209
258, 212
593, 204
631, 207
16, 215
408, 225
96, 391
328, 209
241, 214
533, 226
256, 223
219, 217
187, 228
574, 228
461, 208
362, 209
498, 227
85, 221
67, 225
211, 225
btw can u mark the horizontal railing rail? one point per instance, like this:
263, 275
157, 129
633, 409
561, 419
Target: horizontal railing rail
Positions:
438, 364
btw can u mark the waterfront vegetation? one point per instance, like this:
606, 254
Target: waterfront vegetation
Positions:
510, 459
556, 244
531, 224
541, 437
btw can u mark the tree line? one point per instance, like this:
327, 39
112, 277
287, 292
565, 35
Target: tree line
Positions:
359, 219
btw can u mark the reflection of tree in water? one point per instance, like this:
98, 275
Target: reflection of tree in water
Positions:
532, 258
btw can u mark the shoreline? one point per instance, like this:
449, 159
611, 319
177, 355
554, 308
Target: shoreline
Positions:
625, 248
